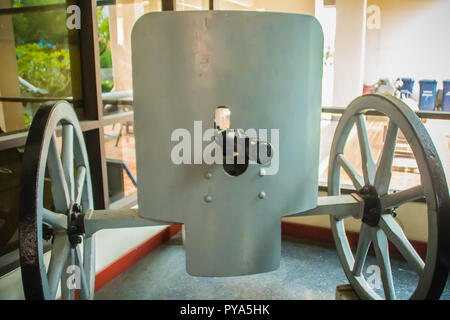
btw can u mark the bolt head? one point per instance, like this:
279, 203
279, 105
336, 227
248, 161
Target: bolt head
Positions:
75, 240
208, 176
208, 199
262, 195
76, 208
262, 172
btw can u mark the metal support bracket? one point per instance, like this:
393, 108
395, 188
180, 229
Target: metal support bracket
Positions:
337, 206
96, 220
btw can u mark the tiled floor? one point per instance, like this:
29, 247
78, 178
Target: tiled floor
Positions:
309, 271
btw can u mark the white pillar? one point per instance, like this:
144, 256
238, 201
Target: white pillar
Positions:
349, 50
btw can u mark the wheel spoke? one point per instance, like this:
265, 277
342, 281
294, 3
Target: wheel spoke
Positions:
365, 238
368, 165
84, 290
351, 172
381, 247
81, 178
89, 263
384, 171
397, 199
66, 292
60, 189
395, 233
67, 158
57, 220
60, 252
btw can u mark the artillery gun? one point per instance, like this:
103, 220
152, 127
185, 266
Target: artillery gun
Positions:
266, 68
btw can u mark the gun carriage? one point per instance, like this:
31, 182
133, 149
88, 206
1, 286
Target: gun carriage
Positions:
266, 68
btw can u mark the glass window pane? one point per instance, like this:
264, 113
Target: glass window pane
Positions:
188, 5
31, 3
240, 5
121, 160
405, 172
36, 61
10, 169
115, 25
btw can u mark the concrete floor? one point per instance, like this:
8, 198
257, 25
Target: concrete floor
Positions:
308, 271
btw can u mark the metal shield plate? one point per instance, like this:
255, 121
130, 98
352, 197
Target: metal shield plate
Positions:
267, 69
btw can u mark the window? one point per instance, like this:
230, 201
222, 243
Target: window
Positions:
115, 24
36, 66
40, 59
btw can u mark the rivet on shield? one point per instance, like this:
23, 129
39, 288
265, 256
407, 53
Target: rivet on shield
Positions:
208, 176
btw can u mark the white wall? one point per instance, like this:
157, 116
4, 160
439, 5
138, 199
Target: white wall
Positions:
110, 246
413, 41
291, 6
349, 50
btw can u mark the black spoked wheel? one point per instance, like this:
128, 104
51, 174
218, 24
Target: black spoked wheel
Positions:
70, 265
379, 226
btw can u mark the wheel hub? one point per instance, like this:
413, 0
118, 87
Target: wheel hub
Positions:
75, 224
372, 205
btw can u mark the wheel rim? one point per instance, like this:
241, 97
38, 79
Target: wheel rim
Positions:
432, 278
72, 255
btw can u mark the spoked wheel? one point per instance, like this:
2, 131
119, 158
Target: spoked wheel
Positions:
71, 265
378, 225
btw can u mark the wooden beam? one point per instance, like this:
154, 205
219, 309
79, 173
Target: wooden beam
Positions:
97, 159
11, 113
28, 9
90, 60
92, 99
19, 138
168, 5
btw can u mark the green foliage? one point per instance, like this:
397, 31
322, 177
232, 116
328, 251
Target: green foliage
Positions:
27, 121
107, 86
104, 39
46, 68
29, 3
106, 59
42, 47
46, 28
104, 42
